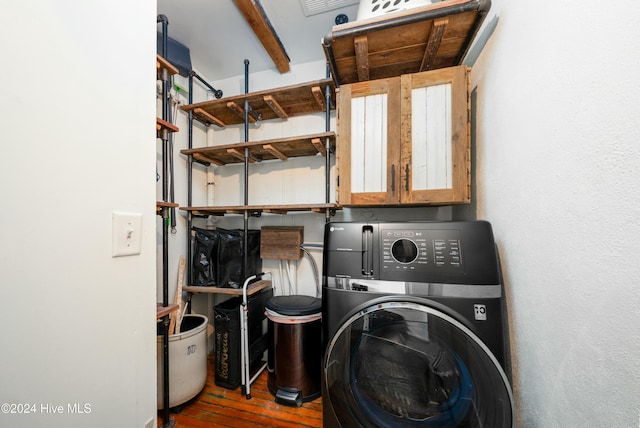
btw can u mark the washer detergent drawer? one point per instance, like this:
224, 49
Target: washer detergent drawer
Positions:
351, 249
401, 361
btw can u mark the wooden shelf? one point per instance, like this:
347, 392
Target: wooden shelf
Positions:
277, 103
161, 204
281, 148
164, 310
252, 289
163, 124
259, 209
163, 63
419, 39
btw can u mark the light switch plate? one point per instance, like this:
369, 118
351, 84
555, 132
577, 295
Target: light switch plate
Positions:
126, 234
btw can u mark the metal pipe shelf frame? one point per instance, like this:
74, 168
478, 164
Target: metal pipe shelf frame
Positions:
322, 94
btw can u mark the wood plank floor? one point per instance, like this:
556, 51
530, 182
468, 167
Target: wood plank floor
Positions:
220, 407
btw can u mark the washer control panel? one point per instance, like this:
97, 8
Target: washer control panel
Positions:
447, 252
421, 249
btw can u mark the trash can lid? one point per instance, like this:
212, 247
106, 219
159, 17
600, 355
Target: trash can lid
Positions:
294, 305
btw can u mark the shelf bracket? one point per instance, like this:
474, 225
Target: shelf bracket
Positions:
253, 116
273, 104
208, 118
206, 160
275, 211
317, 143
318, 94
240, 155
277, 153
433, 43
361, 46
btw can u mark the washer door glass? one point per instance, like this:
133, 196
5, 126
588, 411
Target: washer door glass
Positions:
406, 363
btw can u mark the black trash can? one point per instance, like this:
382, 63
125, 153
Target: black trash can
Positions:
294, 359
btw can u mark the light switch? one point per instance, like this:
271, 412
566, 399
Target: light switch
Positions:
126, 233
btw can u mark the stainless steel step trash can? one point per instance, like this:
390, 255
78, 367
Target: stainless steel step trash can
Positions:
294, 358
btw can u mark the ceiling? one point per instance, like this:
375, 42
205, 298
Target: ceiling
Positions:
220, 39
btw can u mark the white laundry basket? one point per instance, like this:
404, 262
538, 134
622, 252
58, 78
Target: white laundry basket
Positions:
371, 8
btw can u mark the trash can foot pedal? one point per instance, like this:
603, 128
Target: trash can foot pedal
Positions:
289, 397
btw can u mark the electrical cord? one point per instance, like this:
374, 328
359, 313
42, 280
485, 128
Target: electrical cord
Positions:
315, 270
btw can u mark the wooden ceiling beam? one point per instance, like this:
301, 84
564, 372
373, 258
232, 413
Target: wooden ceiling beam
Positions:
261, 26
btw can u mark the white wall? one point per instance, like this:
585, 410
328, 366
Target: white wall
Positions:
557, 175
78, 142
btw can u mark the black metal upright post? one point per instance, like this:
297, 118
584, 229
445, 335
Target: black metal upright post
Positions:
218, 94
327, 149
189, 183
166, 109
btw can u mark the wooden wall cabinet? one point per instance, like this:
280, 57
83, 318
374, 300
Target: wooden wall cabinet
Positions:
405, 140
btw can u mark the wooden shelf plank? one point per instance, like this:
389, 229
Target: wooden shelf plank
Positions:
252, 289
293, 100
289, 147
270, 209
163, 63
164, 310
397, 43
163, 124
161, 204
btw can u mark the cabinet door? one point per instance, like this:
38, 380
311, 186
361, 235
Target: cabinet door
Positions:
405, 140
368, 153
435, 137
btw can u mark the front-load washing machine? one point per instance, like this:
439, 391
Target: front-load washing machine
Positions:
414, 326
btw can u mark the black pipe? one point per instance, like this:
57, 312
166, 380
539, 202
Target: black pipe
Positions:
216, 92
327, 149
189, 183
165, 23
482, 6
172, 210
166, 110
166, 115
191, 118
